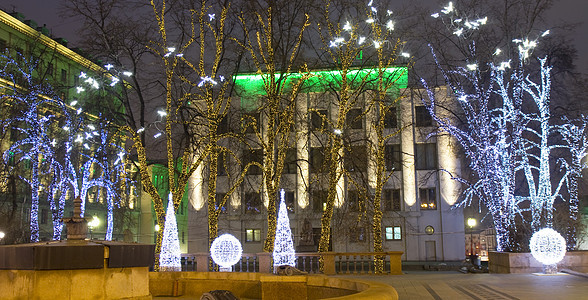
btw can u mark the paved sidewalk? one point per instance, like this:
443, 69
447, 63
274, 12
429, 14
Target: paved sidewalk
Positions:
422, 285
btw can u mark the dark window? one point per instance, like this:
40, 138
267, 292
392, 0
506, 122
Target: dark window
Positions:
252, 155
319, 201
391, 120
252, 203
319, 160
354, 201
221, 164
393, 157
391, 199
63, 76
354, 119
290, 201
358, 235
223, 125
290, 166
218, 198
253, 235
422, 117
250, 121
44, 216
318, 119
356, 159
428, 199
393, 233
50, 68
426, 156
3, 45
76, 80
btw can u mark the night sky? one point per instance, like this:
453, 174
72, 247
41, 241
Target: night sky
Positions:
47, 12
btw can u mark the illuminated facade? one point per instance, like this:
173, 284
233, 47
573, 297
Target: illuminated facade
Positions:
417, 198
25, 42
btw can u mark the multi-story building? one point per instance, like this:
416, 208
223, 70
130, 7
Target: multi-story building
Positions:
417, 199
61, 67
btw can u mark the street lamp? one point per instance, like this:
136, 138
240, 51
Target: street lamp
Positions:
93, 224
471, 224
2, 236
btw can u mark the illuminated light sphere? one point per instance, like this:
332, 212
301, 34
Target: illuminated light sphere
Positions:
226, 250
548, 246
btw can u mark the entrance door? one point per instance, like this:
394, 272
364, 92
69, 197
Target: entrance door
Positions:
430, 251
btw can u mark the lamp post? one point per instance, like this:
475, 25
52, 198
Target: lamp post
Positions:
471, 224
2, 237
93, 224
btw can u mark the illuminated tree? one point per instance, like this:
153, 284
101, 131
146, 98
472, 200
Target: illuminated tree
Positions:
509, 137
362, 51
34, 103
273, 45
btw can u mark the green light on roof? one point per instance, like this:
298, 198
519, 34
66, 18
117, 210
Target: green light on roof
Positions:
251, 85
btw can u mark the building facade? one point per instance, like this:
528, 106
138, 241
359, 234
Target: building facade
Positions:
54, 63
417, 198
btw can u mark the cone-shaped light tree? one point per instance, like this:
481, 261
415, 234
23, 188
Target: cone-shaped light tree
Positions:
283, 245
169, 259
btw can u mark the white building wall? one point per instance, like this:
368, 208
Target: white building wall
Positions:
446, 243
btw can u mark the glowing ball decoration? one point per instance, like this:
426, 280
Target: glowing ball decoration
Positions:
548, 246
226, 251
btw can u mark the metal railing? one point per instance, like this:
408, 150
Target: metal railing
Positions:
343, 263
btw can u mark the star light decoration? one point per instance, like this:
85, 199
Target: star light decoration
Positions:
169, 259
283, 246
226, 251
375, 23
548, 246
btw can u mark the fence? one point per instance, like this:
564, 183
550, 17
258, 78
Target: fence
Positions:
335, 263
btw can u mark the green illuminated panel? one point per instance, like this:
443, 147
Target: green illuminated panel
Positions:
251, 85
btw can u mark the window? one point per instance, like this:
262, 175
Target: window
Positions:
252, 155
252, 203
392, 156
76, 80
319, 201
218, 198
253, 235
63, 75
44, 215
183, 241
50, 68
318, 119
391, 199
426, 156
223, 125
289, 199
428, 199
290, 166
354, 201
3, 45
356, 159
221, 164
358, 235
422, 117
391, 120
393, 233
354, 119
250, 121
318, 160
